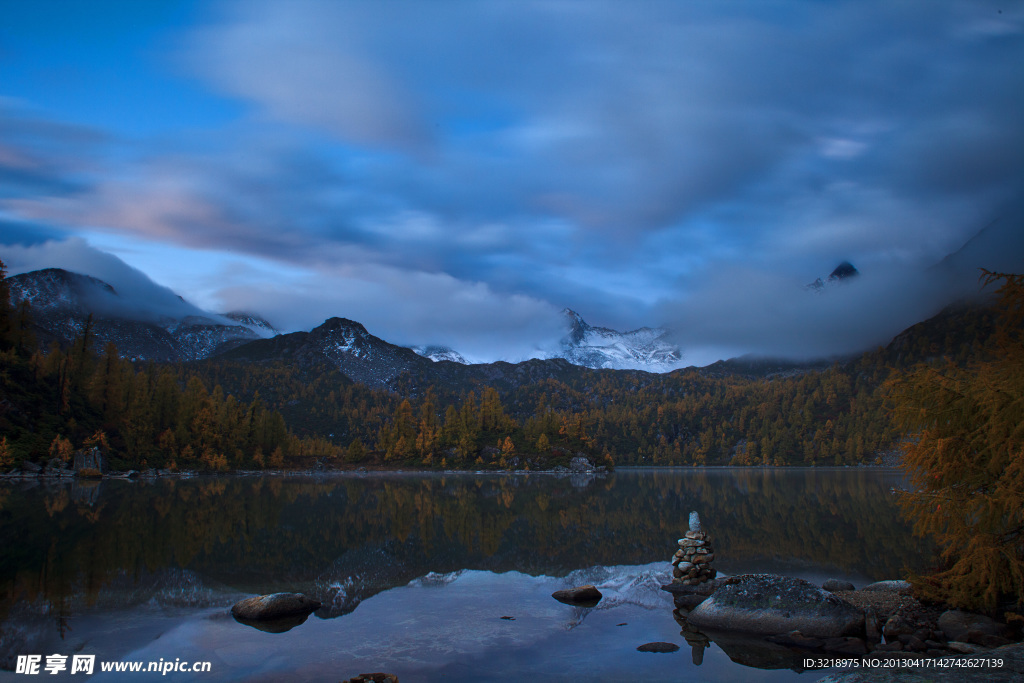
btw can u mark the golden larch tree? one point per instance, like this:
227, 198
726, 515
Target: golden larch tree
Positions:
964, 453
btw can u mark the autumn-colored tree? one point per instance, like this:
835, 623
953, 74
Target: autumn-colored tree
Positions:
61, 448
965, 457
355, 452
6, 456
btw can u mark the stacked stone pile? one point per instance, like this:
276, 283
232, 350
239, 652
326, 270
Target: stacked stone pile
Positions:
691, 565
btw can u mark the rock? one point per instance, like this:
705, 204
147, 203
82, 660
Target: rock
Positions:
872, 634
31, 467
688, 596
897, 626
959, 669
832, 585
987, 639
898, 586
963, 648
89, 459
274, 606
896, 646
770, 604
694, 521
658, 647
796, 639
914, 644
578, 595
373, 678
55, 466
956, 624
848, 645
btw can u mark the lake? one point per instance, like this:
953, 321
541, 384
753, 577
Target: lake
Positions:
431, 577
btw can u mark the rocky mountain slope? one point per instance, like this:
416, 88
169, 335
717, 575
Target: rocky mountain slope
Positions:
601, 347
340, 342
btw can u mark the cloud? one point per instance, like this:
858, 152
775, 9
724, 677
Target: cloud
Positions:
743, 310
659, 162
138, 296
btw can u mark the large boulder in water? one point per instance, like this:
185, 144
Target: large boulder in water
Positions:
769, 604
274, 606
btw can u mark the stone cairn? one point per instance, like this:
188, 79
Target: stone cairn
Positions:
691, 565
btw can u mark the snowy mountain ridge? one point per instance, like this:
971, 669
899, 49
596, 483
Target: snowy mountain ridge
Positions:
645, 348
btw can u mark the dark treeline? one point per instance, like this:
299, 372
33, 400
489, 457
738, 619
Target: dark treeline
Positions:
219, 415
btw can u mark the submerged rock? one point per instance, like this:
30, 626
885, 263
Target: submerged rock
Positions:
274, 606
373, 678
770, 604
658, 647
587, 595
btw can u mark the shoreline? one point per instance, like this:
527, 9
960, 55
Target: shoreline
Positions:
131, 475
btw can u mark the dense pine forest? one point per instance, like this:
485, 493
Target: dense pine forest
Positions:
218, 415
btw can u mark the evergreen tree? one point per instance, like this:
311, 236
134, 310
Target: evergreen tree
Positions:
965, 456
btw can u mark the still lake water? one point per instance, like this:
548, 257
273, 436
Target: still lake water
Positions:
417, 571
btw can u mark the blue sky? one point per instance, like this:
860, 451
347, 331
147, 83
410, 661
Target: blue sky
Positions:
459, 172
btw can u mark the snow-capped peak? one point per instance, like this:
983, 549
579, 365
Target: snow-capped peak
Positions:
438, 353
645, 348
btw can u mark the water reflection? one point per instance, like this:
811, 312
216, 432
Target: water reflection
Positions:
72, 546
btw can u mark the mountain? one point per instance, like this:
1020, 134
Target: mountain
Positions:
62, 302
841, 274
340, 342
601, 347
438, 353
254, 322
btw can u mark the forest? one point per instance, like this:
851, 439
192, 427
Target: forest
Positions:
219, 415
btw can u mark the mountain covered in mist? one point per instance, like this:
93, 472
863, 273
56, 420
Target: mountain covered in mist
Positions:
599, 348
842, 273
63, 303
173, 330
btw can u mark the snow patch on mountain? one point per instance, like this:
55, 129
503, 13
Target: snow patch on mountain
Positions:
438, 353
259, 325
646, 348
